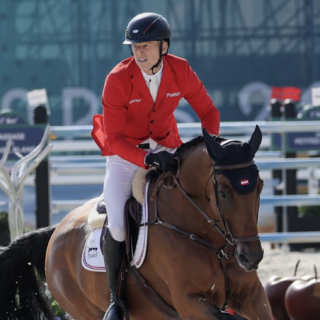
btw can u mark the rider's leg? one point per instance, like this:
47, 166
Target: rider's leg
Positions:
117, 190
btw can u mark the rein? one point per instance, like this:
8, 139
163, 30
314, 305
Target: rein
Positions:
226, 233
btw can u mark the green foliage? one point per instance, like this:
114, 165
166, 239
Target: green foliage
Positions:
4, 229
309, 211
4, 224
56, 309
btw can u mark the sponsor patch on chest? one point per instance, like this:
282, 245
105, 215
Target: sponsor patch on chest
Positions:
134, 101
174, 94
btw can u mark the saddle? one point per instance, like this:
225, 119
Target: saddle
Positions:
132, 213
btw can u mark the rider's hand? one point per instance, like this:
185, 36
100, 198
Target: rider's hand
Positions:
162, 160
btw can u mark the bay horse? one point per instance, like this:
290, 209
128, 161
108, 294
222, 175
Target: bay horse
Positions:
203, 246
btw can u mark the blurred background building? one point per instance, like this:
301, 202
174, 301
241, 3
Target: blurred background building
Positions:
239, 49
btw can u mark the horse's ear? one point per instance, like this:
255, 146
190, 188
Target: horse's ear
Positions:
215, 150
253, 145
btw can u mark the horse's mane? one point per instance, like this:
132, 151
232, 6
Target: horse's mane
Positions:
154, 174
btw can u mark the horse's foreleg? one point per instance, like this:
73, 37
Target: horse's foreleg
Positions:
256, 304
196, 307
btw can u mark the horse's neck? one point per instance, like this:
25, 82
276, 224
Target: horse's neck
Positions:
195, 169
197, 180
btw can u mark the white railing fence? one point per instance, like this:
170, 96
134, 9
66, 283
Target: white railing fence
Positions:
309, 168
87, 169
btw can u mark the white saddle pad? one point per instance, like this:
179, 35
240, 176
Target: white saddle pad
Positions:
92, 258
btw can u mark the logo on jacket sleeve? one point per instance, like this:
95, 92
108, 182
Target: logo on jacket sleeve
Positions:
171, 95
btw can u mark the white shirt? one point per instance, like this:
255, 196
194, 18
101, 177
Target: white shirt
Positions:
153, 82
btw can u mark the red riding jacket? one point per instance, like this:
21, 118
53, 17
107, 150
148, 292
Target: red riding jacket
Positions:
130, 116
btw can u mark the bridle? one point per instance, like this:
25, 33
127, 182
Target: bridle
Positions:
226, 233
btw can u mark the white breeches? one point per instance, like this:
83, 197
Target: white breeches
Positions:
117, 190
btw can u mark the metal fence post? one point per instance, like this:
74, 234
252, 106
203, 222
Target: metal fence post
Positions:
42, 185
277, 173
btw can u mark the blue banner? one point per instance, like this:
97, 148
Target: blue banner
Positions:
25, 137
298, 141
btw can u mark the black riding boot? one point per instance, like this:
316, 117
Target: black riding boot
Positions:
113, 252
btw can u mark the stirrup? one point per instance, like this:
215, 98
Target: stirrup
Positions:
114, 312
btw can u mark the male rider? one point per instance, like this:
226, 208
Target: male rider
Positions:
138, 127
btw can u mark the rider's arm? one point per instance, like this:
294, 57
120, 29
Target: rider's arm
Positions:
115, 121
198, 98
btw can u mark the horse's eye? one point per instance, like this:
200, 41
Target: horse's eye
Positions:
222, 194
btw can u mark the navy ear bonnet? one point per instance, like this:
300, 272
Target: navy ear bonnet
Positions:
243, 180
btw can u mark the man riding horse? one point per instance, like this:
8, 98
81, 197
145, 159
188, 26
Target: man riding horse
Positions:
138, 127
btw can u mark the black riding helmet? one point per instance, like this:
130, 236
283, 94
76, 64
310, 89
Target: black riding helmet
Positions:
148, 27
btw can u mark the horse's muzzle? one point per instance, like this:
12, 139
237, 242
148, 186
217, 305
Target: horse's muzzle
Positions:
249, 255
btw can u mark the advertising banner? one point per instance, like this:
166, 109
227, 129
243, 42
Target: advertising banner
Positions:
25, 137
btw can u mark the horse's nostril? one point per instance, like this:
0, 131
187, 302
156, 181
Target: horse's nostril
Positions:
243, 257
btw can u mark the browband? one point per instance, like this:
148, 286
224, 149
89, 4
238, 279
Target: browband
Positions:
234, 166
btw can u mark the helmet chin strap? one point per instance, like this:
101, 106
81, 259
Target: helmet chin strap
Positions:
160, 58
131, 49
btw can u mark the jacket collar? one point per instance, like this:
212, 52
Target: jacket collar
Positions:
138, 81
167, 78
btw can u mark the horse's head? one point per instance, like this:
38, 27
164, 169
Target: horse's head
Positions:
236, 194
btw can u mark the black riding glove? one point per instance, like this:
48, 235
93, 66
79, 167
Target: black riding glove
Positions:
162, 160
